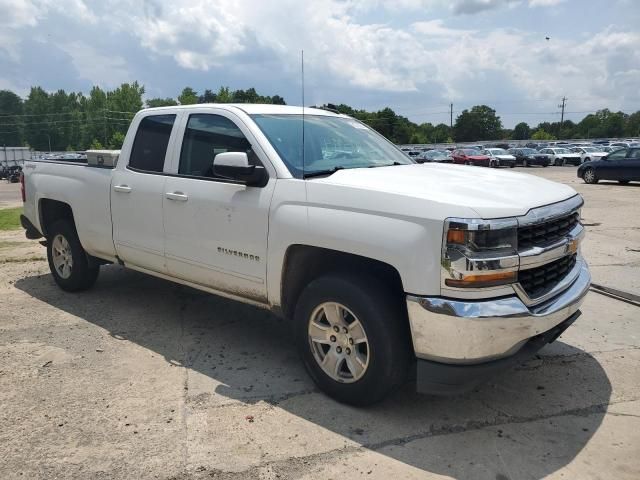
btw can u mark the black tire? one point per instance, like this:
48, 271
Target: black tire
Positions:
383, 318
586, 160
589, 176
525, 163
512, 165
83, 274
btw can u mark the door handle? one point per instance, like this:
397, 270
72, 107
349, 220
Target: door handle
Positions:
177, 196
122, 188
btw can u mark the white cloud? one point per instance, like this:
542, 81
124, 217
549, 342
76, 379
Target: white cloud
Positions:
429, 57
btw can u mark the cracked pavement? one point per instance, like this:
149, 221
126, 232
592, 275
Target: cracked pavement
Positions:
141, 378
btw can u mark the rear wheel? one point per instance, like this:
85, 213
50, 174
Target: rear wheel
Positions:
586, 160
467, 162
351, 334
68, 262
589, 176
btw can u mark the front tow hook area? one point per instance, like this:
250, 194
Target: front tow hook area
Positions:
436, 378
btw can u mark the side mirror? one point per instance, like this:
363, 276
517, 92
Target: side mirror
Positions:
235, 166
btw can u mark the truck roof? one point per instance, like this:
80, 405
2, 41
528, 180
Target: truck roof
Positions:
255, 108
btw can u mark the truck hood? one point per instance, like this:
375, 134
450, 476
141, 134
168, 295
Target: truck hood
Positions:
439, 190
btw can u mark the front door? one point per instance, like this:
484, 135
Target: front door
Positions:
611, 168
632, 165
137, 193
216, 229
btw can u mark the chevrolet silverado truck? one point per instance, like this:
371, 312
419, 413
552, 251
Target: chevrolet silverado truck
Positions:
379, 263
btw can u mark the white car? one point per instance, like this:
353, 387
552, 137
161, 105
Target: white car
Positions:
589, 153
562, 156
378, 264
499, 157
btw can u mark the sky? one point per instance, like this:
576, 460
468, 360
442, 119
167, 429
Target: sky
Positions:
415, 56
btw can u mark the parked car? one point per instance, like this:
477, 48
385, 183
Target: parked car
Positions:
562, 156
589, 153
499, 157
441, 156
622, 165
378, 264
528, 157
536, 146
470, 156
608, 148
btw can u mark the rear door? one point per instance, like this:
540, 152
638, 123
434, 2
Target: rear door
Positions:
137, 195
216, 229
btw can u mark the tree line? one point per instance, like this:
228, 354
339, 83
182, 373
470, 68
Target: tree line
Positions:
75, 121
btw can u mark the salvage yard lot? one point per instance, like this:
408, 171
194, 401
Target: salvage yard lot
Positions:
141, 378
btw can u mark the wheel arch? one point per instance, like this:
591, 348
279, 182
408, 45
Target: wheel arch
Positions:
50, 211
303, 263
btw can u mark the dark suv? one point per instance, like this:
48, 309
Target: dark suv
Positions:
528, 157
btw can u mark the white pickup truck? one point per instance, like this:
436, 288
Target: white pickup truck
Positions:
379, 263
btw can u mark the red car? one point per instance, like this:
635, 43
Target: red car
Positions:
470, 156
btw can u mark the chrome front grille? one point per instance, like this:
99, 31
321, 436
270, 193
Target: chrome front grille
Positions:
538, 281
541, 234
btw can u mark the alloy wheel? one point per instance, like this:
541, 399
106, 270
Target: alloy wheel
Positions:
339, 342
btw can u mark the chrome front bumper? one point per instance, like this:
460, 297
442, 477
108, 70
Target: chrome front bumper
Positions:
469, 332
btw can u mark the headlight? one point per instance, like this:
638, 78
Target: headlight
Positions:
479, 253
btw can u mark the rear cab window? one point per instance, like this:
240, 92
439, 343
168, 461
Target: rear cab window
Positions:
150, 144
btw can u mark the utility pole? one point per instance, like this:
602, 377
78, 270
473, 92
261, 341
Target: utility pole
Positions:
451, 116
564, 101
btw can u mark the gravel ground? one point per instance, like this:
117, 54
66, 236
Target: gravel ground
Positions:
140, 378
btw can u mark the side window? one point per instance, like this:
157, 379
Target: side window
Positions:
635, 154
150, 144
618, 154
206, 136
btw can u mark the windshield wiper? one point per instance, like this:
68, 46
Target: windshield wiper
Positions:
388, 165
319, 173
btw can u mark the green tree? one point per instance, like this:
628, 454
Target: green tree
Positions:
479, 123
95, 145
224, 95
160, 102
207, 97
541, 134
11, 126
521, 131
117, 139
188, 96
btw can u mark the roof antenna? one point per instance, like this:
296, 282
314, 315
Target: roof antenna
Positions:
303, 149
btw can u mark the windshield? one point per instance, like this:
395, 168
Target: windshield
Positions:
498, 151
589, 149
528, 151
470, 151
436, 154
562, 150
329, 143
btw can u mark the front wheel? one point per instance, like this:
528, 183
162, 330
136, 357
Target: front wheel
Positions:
589, 176
351, 334
68, 262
